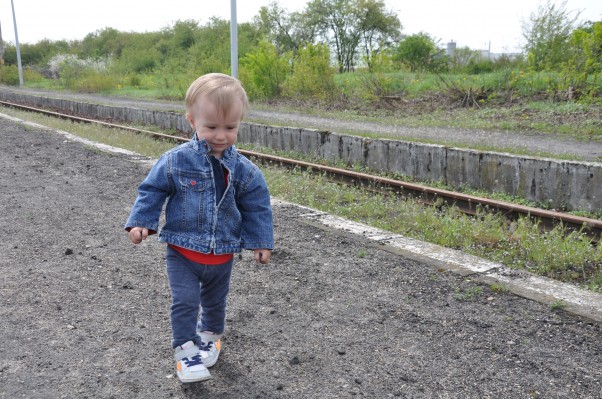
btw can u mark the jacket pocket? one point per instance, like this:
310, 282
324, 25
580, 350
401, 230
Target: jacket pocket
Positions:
195, 202
232, 221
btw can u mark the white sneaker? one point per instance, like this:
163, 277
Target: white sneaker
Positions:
210, 347
189, 364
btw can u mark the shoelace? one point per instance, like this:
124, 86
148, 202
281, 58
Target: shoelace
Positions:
193, 360
206, 346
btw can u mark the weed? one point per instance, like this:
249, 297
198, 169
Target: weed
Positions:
557, 254
499, 288
595, 283
558, 304
467, 294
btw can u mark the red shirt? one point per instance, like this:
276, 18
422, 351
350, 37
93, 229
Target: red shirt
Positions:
199, 257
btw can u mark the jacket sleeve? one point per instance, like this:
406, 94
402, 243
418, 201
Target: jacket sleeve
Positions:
256, 211
152, 193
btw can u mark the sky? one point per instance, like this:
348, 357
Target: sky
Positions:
478, 24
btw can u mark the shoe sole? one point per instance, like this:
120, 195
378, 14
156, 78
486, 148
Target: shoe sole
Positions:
210, 364
208, 377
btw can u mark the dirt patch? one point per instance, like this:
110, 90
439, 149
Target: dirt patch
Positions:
85, 314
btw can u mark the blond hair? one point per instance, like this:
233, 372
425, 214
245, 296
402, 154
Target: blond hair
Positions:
220, 89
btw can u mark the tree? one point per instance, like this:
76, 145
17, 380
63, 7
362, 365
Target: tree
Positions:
288, 32
379, 28
586, 47
419, 52
139, 54
334, 20
184, 33
103, 43
547, 33
585, 60
346, 24
36, 54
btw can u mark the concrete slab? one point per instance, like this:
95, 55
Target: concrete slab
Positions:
554, 293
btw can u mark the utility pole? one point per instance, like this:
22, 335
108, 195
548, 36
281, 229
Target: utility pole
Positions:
1, 47
17, 45
233, 40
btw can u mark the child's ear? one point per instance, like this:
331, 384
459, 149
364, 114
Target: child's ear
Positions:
190, 120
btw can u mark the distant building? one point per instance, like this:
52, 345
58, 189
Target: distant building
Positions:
451, 47
485, 53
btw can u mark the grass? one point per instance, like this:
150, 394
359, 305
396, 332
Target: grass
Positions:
557, 254
563, 121
499, 288
574, 121
501, 196
521, 245
558, 304
467, 294
515, 101
115, 137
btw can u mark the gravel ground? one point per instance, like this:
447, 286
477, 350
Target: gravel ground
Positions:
84, 313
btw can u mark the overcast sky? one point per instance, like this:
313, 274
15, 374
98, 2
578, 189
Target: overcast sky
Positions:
477, 24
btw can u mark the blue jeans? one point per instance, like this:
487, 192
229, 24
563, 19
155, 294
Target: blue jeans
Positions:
195, 287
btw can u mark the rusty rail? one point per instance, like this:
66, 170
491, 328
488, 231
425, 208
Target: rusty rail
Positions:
429, 195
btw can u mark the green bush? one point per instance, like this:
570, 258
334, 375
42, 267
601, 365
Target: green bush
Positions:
95, 82
263, 71
531, 84
419, 52
371, 86
479, 65
32, 76
9, 75
312, 76
133, 80
584, 67
138, 60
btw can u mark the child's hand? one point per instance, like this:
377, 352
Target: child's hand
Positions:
262, 256
137, 234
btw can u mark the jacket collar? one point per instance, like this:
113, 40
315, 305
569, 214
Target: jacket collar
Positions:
203, 147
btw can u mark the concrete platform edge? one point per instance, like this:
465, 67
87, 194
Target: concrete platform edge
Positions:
541, 289
569, 297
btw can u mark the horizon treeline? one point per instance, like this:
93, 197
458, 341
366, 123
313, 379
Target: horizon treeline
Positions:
332, 49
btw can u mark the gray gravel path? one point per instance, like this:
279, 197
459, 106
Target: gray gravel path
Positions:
84, 314
505, 141
466, 138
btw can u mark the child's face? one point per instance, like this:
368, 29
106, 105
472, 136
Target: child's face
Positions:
219, 131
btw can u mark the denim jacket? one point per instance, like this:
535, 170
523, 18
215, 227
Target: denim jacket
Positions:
184, 177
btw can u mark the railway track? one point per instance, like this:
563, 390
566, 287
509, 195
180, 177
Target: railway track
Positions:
428, 195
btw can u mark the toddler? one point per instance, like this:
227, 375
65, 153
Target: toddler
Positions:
217, 205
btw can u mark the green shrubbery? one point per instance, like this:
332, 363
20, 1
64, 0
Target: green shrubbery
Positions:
296, 57
263, 71
312, 75
9, 75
